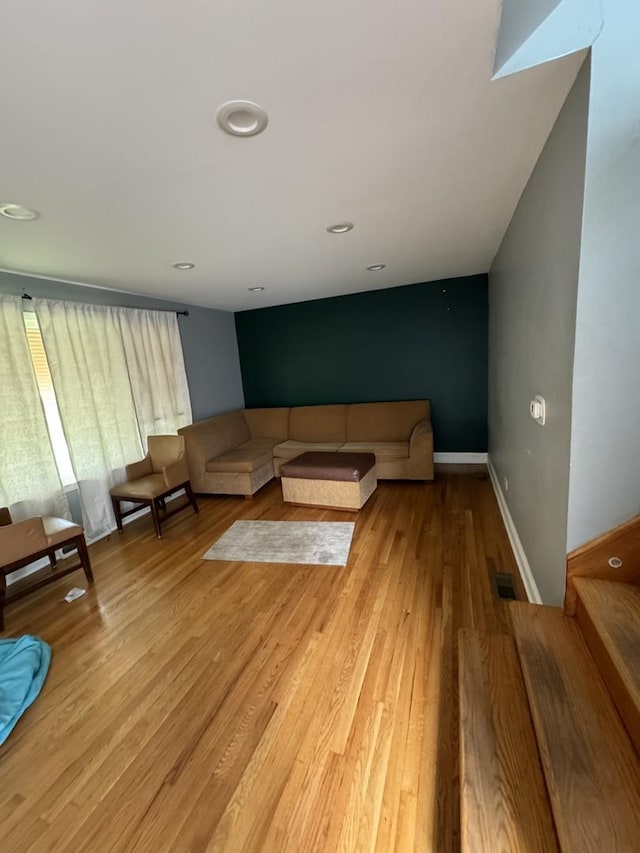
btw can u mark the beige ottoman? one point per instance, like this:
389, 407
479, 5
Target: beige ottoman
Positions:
331, 480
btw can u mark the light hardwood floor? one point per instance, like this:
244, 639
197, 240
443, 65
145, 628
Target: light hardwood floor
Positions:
237, 706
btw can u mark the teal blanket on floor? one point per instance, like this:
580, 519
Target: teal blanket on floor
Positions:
24, 664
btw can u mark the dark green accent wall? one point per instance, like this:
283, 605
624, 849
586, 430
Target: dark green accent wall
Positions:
402, 343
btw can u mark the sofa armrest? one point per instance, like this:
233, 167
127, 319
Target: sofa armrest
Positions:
139, 469
422, 435
203, 441
421, 451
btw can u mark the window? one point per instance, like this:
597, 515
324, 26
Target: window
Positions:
48, 397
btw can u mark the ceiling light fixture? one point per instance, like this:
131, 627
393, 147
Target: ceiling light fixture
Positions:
376, 267
255, 289
18, 212
242, 118
183, 265
340, 228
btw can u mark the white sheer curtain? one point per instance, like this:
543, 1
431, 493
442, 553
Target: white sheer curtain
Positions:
29, 480
153, 352
119, 376
89, 371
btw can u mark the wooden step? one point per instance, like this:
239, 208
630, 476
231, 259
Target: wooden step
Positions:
591, 769
591, 560
609, 616
503, 800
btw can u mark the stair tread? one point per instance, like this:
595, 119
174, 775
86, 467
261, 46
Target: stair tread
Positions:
591, 768
612, 631
504, 801
615, 610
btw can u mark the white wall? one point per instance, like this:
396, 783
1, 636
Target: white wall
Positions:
532, 303
605, 443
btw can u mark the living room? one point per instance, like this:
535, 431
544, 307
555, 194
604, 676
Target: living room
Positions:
357, 248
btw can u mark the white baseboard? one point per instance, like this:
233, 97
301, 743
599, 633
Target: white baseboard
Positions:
531, 588
460, 458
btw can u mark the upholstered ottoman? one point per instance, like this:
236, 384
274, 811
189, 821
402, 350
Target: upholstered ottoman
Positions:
329, 479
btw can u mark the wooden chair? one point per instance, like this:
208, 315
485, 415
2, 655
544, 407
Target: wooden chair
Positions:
151, 481
24, 542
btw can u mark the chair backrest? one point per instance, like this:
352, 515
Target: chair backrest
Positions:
21, 539
164, 449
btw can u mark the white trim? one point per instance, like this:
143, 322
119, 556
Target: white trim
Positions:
460, 458
524, 568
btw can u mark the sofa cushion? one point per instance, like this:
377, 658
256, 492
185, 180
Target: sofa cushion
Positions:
318, 423
239, 461
383, 449
267, 423
260, 444
233, 428
384, 421
290, 449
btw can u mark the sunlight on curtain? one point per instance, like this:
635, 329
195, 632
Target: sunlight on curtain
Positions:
153, 351
49, 402
29, 481
88, 367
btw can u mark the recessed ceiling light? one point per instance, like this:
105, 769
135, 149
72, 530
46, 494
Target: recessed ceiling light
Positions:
255, 289
376, 267
18, 212
340, 228
242, 118
183, 265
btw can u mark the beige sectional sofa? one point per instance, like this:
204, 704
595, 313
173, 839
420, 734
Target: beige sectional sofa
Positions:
238, 452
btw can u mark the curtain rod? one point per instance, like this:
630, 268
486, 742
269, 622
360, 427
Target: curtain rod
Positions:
179, 313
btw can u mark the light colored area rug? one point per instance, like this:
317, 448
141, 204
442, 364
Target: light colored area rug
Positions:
323, 543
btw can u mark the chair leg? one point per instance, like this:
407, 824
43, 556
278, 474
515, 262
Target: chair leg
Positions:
192, 497
83, 553
116, 511
3, 590
156, 517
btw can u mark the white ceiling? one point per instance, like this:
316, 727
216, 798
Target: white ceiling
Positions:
380, 113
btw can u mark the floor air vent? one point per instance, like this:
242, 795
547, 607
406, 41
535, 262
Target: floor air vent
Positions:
504, 586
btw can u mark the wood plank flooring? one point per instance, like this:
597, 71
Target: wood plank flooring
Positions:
210, 706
